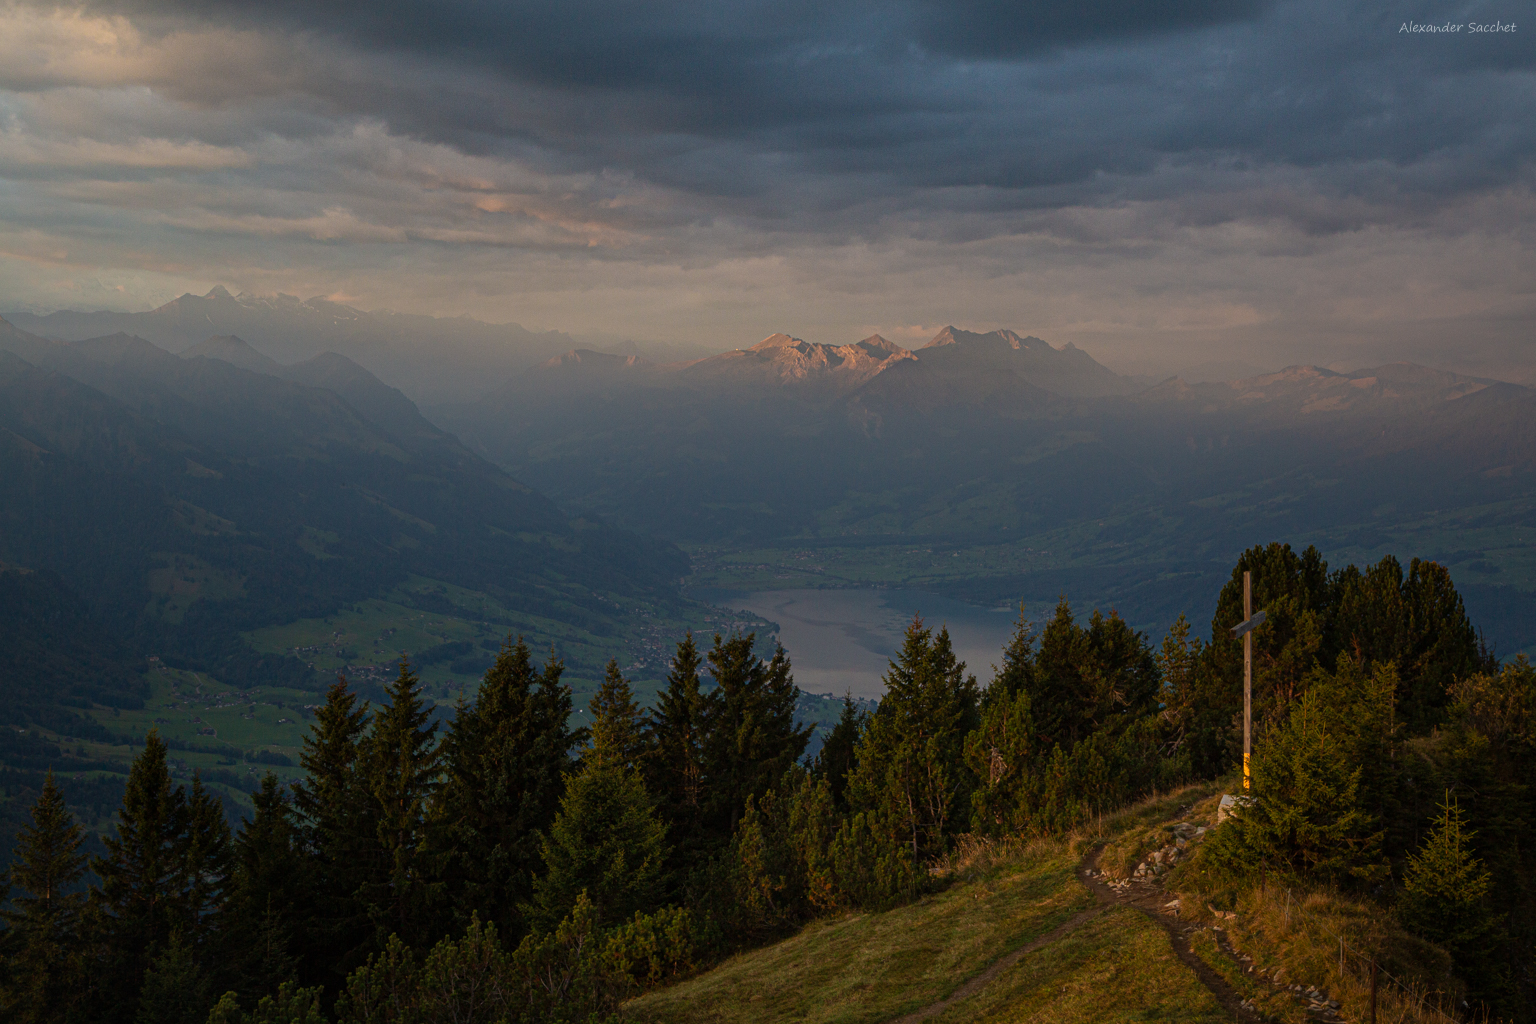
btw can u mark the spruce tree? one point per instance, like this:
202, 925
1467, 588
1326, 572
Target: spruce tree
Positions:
402, 762
270, 890
910, 772
606, 843
175, 989
618, 728
505, 758
43, 941
1307, 816
1017, 672
1295, 593
1445, 900
1087, 679
1002, 750
206, 866
140, 899
338, 829
839, 752
674, 762
750, 734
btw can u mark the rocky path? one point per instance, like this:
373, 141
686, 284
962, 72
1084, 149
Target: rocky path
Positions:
1143, 895
1144, 892
1147, 896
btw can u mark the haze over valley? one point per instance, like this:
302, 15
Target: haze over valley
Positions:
990, 468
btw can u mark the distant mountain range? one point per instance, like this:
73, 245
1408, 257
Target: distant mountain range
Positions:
955, 362
189, 499
972, 439
433, 359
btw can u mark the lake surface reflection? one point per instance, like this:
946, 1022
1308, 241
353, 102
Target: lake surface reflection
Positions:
840, 640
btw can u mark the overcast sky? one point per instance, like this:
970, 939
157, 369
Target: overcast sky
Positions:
1161, 183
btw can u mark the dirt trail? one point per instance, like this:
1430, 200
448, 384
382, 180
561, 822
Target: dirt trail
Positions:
1145, 897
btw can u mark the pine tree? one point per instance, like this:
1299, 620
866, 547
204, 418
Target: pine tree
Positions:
1296, 595
140, 899
505, 759
606, 843
402, 762
618, 728
1017, 672
1445, 899
910, 762
338, 830
43, 940
1001, 751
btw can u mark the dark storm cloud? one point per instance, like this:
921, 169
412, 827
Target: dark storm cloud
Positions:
758, 100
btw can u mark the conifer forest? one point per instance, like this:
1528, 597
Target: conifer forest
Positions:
512, 866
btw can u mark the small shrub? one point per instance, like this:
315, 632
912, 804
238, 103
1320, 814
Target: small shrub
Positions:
871, 870
652, 949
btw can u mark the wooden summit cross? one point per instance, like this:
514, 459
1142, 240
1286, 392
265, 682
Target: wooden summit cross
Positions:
1245, 630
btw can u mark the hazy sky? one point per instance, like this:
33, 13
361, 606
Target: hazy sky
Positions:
1157, 182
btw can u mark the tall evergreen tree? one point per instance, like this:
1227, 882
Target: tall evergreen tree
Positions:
1176, 662
750, 734
505, 759
674, 763
839, 752
1415, 621
1002, 750
270, 888
176, 988
402, 763
206, 867
910, 764
338, 828
43, 941
1307, 816
1086, 679
606, 843
1017, 672
618, 727
1296, 595
140, 898
1445, 899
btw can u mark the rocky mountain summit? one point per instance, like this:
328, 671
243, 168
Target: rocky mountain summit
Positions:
782, 360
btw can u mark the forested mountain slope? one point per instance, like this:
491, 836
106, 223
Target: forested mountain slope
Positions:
188, 500
438, 358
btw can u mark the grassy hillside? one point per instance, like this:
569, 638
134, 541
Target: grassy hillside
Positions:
956, 953
1067, 930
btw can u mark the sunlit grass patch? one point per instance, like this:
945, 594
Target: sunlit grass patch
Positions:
873, 967
1117, 967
